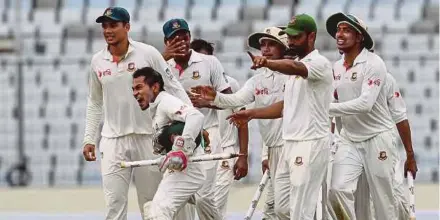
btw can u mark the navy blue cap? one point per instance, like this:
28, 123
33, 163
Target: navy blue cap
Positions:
172, 26
115, 14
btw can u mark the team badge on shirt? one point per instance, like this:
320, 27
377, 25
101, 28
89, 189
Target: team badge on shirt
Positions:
382, 155
131, 67
225, 164
196, 75
168, 72
299, 161
354, 76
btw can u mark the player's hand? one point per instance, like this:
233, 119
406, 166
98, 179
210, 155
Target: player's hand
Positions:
241, 117
206, 138
204, 92
410, 165
177, 159
89, 152
199, 102
259, 61
240, 167
174, 48
265, 165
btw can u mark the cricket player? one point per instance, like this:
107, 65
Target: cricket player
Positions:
192, 69
265, 88
230, 169
397, 108
367, 143
127, 131
176, 187
306, 128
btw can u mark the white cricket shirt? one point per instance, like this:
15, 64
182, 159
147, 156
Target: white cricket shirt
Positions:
166, 108
306, 101
396, 104
265, 88
362, 97
202, 70
228, 132
111, 95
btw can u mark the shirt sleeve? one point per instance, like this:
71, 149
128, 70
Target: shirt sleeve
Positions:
372, 83
94, 109
396, 104
316, 68
218, 78
176, 110
242, 97
171, 84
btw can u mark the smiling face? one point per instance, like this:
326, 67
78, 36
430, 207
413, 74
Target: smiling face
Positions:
115, 31
347, 37
271, 49
142, 92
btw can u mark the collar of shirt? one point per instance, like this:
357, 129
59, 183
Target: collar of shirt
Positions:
194, 58
360, 58
108, 56
153, 105
308, 56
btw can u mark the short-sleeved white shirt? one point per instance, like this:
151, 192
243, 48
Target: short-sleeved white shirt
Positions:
307, 100
202, 70
228, 132
362, 97
110, 92
265, 88
395, 101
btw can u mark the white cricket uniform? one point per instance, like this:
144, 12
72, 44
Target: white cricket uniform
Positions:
306, 133
176, 187
205, 70
127, 131
367, 142
265, 88
228, 144
397, 108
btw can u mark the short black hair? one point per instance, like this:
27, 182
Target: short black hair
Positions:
200, 44
151, 77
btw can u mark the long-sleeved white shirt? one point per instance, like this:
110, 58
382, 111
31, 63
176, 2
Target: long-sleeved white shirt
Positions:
307, 101
362, 97
166, 108
110, 92
202, 70
265, 88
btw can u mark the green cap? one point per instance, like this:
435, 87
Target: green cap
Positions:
114, 14
300, 23
175, 128
172, 26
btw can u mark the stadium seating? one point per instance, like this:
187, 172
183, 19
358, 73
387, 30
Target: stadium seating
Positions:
58, 43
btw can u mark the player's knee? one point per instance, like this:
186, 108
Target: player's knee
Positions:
154, 212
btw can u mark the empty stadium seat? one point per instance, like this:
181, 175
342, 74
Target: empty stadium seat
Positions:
279, 14
360, 9
200, 13
228, 13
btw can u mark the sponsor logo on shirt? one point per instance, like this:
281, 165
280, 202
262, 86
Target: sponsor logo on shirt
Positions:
374, 82
397, 94
299, 161
131, 67
382, 155
196, 75
107, 72
263, 91
168, 72
338, 77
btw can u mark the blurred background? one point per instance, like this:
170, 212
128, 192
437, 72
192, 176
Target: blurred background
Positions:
45, 52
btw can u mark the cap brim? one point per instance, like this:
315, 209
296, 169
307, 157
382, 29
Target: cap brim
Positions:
290, 31
332, 27
174, 31
104, 18
254, 40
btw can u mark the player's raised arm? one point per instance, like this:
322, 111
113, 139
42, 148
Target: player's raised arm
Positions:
270, 112
93, 116
372, 83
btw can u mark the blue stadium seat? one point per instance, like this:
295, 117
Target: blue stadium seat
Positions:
101, 4
73, 4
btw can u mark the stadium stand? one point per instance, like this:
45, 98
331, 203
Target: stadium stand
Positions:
59, 38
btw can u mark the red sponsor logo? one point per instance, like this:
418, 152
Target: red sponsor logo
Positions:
374, 82
263, 91
397, 94
106, 72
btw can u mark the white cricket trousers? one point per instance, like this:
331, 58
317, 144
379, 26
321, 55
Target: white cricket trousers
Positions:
116, 180
274, 157
299, 176
224, 180
376, 157
205, 198
174, 191
364, 208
